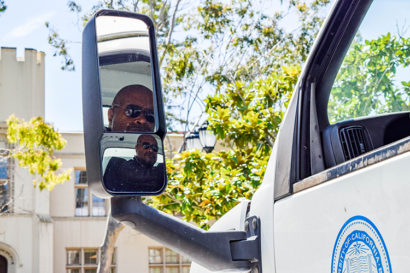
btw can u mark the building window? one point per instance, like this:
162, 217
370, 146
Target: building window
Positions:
4, 177
86, 203
85, 260
4, 195
164, 260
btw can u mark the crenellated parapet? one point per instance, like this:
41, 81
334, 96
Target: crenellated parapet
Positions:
29, 54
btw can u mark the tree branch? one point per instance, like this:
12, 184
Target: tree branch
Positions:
107, 249
135, 5
171, 30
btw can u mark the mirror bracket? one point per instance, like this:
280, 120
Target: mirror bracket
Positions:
227, 250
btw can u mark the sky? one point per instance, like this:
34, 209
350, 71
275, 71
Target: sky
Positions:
22, 26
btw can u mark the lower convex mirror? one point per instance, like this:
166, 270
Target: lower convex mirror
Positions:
136, 168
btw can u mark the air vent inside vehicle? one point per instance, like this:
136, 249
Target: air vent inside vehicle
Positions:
355, 141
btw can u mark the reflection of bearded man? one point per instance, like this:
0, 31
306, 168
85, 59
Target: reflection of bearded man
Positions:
146, 150
138, 173
132, 110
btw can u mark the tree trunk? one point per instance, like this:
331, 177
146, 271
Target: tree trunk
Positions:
107, 249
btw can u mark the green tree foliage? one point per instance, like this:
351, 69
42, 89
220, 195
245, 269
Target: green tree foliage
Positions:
204, 186
239, 64
3, 6
60, 45
35, 142
234, 41
367, 84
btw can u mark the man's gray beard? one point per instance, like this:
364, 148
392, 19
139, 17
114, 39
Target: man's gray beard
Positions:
138, 127
146, 164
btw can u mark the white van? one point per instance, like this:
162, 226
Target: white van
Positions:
336, 192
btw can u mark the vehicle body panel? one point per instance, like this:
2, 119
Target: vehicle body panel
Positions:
307, 223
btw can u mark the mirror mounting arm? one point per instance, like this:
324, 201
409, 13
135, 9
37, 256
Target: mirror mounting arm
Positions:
230, 250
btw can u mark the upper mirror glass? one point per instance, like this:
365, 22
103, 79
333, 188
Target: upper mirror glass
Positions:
125, 74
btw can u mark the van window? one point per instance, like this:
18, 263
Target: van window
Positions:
374, 76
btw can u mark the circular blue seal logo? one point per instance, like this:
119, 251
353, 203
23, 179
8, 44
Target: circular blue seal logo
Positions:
359, 247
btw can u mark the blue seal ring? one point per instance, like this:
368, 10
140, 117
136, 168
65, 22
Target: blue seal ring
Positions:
359, 247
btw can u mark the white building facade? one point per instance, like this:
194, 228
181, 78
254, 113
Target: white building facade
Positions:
62, 230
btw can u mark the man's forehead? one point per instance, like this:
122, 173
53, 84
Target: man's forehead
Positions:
134, 94
149, 139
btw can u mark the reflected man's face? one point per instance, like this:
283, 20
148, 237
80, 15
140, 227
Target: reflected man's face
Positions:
132, 110
147, 149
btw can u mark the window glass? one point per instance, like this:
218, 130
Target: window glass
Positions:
84, 260
90, 256
374, 76
81, 202
73, 257
4, 195
80, 177
173, 262
87, 204
155, 270
172, 270
185, 260
98, 206
4, 180
186, 269
4, 163
171, 257
155, 256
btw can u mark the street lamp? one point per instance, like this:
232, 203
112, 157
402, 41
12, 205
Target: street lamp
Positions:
192, 141
206, 138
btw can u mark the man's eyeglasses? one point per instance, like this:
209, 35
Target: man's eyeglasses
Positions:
147, 145
134, 111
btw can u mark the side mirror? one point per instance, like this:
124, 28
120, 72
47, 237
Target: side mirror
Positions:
123, 112
124, 128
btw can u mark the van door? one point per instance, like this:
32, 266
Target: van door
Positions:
348, 208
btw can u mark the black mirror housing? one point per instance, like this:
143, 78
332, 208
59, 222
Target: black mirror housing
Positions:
103, 141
